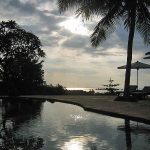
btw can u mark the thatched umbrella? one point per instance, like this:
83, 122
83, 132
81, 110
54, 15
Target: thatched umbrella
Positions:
137, 65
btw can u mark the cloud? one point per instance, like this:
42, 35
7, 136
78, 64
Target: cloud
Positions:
27, 10
76, 41
71, 60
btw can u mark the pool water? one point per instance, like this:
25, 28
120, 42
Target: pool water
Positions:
59, 126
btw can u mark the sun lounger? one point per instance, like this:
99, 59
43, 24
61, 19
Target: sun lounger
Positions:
133, 88
142, 94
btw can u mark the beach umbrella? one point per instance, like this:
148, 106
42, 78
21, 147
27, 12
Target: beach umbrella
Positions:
137, 65
147, 57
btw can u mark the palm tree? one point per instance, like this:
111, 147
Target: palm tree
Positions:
134, 14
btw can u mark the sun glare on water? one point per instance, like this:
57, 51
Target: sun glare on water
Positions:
75, 25
73, 144
78, 143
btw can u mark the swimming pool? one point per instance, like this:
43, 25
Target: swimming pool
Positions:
59, 126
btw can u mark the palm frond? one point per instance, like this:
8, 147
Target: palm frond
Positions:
92, 8
81, 5
111, 11
66, 4
143, 22
99, 35
106, 26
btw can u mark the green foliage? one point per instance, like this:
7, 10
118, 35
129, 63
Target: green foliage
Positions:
91, 92
51, 90
110, 87
20, 59
25, 110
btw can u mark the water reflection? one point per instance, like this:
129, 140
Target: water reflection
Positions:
12, 114
77, 143
74, 144
133, 131
128, 134
60, 126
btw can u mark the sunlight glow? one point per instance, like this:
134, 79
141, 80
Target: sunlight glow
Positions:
75, 25
84, 89
77, 117
73, 144
78, 143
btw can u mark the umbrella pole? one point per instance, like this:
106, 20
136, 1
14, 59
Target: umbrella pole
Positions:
137, 78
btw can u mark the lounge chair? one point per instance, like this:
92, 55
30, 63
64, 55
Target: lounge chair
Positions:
142, 94
133, 88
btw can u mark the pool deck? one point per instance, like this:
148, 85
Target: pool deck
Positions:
136, 111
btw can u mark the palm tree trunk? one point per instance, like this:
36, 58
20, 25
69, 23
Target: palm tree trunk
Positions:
129, 53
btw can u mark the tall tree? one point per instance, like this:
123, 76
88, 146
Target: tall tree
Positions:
134, 14
20, 58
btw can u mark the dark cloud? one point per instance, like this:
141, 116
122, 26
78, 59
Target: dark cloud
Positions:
119, 40
122, 34
51, 41
18, 11
82, 43
76, 41
25, 8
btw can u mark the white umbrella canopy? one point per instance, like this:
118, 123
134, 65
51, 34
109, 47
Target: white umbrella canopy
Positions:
137, 65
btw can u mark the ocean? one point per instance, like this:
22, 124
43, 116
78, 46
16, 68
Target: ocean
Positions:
87, 89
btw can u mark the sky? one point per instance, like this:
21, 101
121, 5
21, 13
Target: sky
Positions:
70, 59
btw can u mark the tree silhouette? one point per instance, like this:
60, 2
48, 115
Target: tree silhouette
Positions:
10, 123
134, 14
110, 87
20, 59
